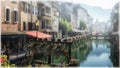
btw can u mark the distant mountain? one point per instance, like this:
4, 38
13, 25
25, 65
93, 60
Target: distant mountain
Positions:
65, 9
97, 12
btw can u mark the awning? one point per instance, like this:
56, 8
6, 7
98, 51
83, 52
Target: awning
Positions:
38, 34
81, 31
12, 33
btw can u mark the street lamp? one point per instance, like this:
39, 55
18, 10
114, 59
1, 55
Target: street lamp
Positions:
37, 25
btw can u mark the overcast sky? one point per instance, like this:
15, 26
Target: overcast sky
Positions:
106, 4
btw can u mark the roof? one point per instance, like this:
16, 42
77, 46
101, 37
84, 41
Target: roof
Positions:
82, 31
11, 32
38, 34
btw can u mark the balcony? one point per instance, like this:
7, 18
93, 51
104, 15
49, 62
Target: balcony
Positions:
46, 29
56, 14
46, 16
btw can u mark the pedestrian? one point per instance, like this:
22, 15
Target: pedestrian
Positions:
3, 49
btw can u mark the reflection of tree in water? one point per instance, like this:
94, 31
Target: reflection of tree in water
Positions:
114, 55
80, 53
59, 58
60, 54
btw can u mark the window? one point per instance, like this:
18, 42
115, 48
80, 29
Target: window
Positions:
32, 9
42, 12
28, 8
36, 10
23, 6
39, 12
14, 16
43, 25
7, 12
48, 10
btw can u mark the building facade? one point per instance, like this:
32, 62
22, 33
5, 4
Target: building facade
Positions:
28, 11
74, 21
48, 16
84, 16
10, 20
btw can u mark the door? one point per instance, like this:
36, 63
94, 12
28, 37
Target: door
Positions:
24, 26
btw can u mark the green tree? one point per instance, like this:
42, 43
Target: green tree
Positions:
65, 26
115, 17
82, 25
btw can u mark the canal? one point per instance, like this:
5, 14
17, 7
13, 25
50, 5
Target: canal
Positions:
93, 53
88, 53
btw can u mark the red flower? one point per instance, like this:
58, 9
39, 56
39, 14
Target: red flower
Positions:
2, 60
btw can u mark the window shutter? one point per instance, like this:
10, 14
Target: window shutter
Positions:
7, 14
16, 16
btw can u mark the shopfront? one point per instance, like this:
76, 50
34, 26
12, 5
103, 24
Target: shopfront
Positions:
12, 45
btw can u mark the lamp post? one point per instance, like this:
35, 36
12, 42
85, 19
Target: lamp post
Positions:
37, 25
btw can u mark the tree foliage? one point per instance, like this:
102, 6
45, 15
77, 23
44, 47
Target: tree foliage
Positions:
65, 26
115, 17
82, 25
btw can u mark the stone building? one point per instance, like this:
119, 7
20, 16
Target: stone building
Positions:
55, 22
28, 11
48, 16
84, 16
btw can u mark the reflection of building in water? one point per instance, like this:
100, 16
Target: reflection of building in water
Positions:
114, 56
82, 51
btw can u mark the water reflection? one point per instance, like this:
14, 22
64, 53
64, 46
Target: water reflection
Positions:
89, 53
94, 53
81, 52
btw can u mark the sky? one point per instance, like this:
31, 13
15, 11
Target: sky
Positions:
105, 4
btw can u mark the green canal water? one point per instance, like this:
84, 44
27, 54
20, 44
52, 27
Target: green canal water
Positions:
91, 53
